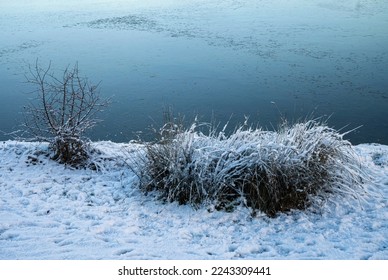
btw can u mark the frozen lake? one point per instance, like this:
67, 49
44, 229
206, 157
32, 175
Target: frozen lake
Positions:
264, 59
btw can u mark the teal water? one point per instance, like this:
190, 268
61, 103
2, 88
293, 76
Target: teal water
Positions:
214, 59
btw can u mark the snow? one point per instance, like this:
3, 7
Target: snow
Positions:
50, 211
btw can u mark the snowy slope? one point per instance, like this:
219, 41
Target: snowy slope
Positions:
48, 211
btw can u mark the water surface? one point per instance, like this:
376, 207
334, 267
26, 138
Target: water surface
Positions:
262, 59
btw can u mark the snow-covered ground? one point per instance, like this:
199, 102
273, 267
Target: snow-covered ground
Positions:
48, 211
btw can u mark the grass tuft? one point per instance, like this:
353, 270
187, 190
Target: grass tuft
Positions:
265, 170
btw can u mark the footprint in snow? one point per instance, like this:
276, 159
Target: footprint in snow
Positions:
232, 248
9, 236
123, 252
62, 242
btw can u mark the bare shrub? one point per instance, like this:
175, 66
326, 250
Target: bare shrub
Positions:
268, 171
63, 109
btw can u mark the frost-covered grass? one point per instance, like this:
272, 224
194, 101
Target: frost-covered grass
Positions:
272, 171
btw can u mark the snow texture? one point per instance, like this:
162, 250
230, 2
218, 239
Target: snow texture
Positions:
50, 211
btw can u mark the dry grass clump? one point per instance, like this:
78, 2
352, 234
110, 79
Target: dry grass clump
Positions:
267, 171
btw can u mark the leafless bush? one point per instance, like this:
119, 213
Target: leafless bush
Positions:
63, 109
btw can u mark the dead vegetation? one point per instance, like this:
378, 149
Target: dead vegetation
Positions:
63, 108
269, 171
